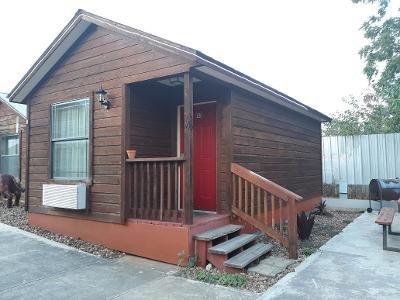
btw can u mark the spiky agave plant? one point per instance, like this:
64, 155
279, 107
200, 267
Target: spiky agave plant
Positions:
304, 225
321, 209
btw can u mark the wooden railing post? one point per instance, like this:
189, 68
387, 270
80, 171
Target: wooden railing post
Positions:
267, 216
292, 228
155, 191
188, 133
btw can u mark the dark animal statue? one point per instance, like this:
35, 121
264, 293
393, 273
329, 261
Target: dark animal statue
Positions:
10, 188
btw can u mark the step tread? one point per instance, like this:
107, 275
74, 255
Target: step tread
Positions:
243, 259
232, 244
217, 232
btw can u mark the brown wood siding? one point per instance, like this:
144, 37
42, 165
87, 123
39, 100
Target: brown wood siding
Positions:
278, 144
8, 124
100, 57
224, 155
8, 119
153, 120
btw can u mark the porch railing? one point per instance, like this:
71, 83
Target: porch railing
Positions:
155, 188
266, 206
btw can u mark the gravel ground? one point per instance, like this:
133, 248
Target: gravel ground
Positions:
254, 282
17, 217
325, 227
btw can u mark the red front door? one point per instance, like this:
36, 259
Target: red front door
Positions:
204, 169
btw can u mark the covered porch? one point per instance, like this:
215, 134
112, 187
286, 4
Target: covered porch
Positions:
177, 126
183, 173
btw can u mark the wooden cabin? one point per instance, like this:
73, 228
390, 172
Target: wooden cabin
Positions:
12, 138
213, 146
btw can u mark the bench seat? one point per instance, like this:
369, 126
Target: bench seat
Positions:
385, 216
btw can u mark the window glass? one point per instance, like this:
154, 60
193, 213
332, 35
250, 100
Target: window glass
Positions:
12, 145
9, 156
70, 139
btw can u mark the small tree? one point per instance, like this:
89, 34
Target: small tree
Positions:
377, 112
365, 115
382, 56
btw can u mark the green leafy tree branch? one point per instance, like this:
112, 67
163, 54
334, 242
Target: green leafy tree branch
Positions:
382, 68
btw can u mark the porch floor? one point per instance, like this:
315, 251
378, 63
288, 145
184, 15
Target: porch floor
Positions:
201, 217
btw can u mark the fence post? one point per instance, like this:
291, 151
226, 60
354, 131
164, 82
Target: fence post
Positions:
292, 228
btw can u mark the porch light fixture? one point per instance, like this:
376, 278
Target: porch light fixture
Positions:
101, 95
175, 81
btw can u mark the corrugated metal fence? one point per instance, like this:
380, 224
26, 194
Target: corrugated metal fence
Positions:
358, 159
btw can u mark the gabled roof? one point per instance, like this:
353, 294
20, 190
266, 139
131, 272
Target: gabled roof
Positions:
207, 65
19, 109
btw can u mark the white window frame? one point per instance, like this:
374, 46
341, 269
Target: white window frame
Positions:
4, 151
55, 140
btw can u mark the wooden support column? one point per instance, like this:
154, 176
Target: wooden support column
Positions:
126, 169
188, 153
292, 228
27, 164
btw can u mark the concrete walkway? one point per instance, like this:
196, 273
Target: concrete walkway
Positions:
352, 265
32, 267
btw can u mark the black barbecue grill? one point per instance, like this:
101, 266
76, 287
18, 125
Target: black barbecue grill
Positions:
383, 189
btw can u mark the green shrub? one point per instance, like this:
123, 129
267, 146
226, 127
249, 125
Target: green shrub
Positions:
235, 280
226, 279
205, 276
308, 251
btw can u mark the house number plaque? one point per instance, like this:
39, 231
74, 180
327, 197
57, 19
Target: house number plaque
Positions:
189, 122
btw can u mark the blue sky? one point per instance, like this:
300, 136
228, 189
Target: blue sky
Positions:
307, 49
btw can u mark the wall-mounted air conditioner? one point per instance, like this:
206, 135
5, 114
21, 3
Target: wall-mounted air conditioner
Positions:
64, 196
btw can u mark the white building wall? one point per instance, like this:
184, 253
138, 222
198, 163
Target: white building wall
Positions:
358, 159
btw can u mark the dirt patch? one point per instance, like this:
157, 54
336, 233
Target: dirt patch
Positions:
17, 217
325, 227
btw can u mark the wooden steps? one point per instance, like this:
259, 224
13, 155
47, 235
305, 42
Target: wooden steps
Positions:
232, 244
217, 232
248, 256
228, 250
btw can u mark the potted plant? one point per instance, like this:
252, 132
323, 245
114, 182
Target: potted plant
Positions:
131, 154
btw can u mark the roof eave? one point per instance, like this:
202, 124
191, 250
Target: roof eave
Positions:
12, 108
255, 87
81, 22
64, 40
